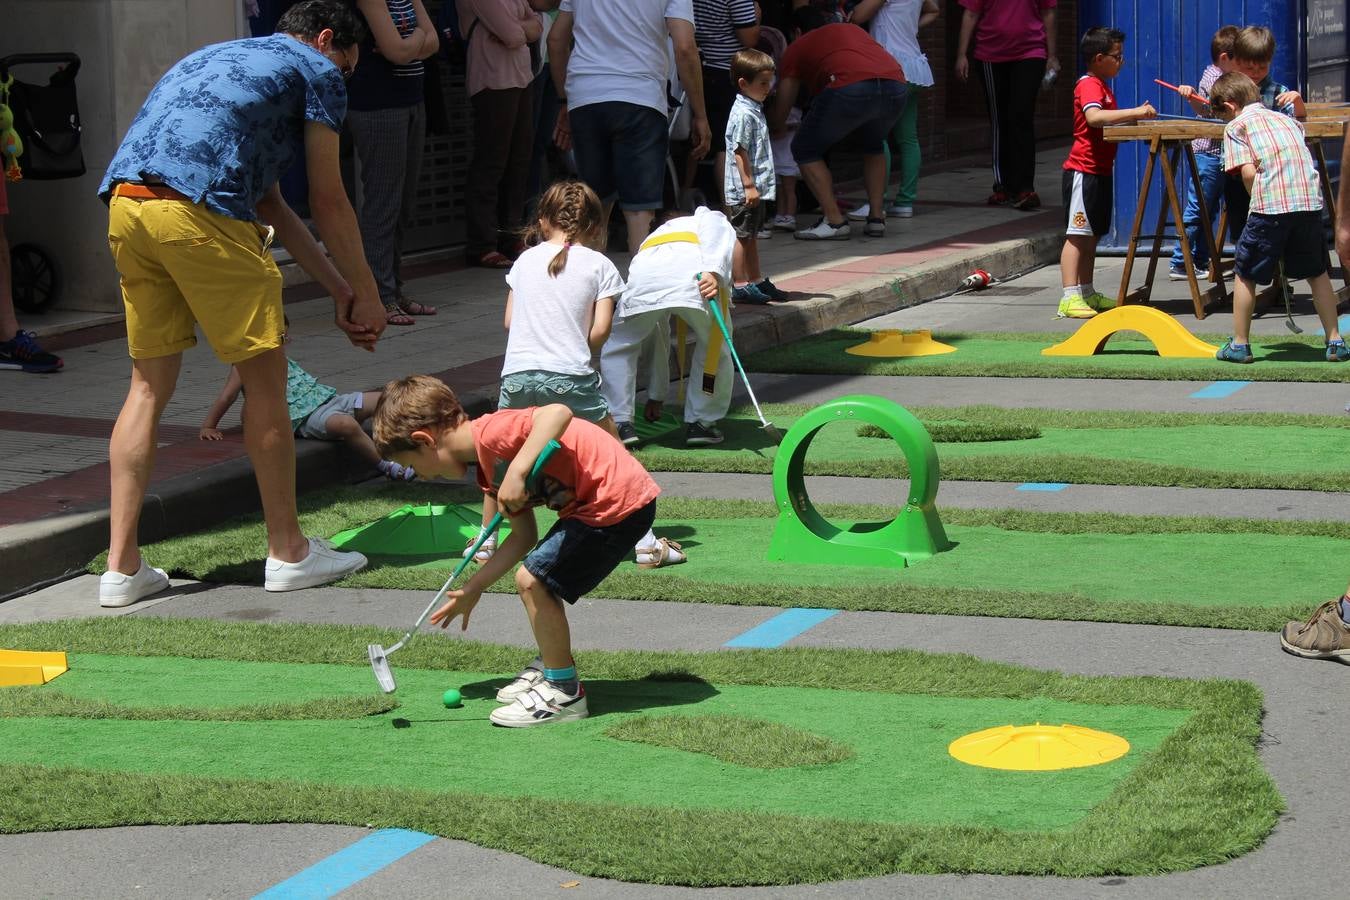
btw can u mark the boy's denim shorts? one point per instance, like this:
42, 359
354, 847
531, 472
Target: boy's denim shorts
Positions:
579, 393
1294, 237
574, 557
621, 149
867, 110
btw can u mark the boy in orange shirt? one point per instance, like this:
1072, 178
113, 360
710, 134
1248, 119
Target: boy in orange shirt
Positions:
605, 502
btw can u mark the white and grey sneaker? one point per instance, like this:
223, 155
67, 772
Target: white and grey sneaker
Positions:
324, 564
824, 231
117, 590
899, 212
540, 706
528, 679
785, 222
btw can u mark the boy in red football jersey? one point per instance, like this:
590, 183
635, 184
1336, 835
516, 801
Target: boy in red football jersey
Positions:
1087, 171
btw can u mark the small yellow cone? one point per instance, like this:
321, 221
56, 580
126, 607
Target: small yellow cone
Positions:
892, 342
1038, 748
22, 667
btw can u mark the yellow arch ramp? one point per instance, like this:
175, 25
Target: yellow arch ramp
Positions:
1167, 334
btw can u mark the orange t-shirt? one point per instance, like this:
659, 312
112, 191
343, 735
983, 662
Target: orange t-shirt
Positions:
593, 478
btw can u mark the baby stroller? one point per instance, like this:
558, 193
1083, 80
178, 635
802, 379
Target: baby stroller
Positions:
46, 121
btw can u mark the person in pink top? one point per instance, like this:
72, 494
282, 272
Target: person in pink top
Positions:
605, 502
1014, 49
498, 34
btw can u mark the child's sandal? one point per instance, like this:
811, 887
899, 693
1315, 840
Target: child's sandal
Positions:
484, 552
664, 552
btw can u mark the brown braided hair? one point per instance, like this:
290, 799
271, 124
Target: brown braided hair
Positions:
572, 208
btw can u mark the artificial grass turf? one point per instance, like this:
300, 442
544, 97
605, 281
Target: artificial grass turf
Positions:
1200, 797
1144, 569
738, 740
1210, 450
1018, 355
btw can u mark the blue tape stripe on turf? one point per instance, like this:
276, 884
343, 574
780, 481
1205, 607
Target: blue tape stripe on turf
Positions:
1342, 324
1219, 389
1042, 486
781, 628
328, 877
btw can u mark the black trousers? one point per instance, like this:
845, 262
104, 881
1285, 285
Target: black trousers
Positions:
1010, 92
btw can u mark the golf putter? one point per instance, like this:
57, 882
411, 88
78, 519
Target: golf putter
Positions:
764, 424
1287, 292
379, 656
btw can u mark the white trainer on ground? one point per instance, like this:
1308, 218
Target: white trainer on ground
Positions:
116, 589
824, 231
540, 706
528, 679
324, 564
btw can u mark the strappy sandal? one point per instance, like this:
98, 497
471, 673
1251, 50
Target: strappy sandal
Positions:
492, 260
665, 552
413, 308
484, 552
393, 315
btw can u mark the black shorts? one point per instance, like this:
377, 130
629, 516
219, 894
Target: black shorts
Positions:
1087, 203
747, 220
718, 96
574, 557
1296, 238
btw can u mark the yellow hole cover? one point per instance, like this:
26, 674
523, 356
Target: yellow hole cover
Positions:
891, 342
1038, 748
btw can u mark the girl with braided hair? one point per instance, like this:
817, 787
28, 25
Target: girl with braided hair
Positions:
559, 308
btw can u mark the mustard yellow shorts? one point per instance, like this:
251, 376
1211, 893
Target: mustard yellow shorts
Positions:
183, 265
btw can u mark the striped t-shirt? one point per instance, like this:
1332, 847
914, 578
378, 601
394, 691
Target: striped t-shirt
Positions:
715, 24
378, 83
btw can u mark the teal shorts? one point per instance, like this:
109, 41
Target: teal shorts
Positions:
579, 393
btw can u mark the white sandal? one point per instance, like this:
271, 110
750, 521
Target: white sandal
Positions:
664, 552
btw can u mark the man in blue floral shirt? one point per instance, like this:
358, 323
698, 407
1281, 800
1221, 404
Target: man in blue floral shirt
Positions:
193, 206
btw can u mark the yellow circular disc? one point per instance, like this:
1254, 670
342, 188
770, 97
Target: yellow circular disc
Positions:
1038, 748
891, 342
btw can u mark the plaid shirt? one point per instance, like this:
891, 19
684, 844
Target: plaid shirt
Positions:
1286, 180
747, 130
1212, 146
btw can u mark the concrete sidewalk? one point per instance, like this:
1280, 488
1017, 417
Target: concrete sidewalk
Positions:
54, 429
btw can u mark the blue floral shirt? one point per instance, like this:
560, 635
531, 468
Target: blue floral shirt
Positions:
304, 394
227, 121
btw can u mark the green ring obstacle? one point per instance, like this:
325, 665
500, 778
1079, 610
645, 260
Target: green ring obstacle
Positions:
804, 535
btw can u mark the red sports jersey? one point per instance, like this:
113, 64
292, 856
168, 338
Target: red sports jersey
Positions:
1091, 152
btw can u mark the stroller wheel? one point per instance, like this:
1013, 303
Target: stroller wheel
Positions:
35, 277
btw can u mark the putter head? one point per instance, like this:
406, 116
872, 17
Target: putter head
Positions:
379, 664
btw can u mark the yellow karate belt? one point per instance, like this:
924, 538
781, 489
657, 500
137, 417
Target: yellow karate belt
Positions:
682, 328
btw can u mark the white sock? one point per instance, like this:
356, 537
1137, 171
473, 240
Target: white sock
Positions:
647, 543
1073, 291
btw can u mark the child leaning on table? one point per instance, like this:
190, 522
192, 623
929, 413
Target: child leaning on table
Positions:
1087, 171
317, 412
1267, 152
605, 502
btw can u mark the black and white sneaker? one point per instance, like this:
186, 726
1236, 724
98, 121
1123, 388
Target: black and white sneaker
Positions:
627, 433
528, 679
697, 434
540, 706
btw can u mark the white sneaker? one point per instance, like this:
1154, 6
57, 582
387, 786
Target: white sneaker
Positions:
528, 679
764, 234
900, 212
116, 589
861, 213
785, 222
323, 565
824, 231
540, 706
664, 552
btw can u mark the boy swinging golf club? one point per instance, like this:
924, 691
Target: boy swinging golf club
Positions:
605, 502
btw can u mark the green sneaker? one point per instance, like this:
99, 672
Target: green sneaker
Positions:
1075, 307
1099, 301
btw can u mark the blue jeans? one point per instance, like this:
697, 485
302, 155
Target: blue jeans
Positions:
1210, 169
866, 110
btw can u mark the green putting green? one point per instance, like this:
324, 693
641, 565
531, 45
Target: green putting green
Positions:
451, 773
985, 443
1018, 355
1161, 570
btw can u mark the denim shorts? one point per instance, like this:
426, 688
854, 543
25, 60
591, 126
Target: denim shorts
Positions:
621, 151
1296, 238
579, 393
574, 557
865, 109
316, 423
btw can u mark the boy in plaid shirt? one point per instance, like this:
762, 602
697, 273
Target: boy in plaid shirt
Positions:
1268, 152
